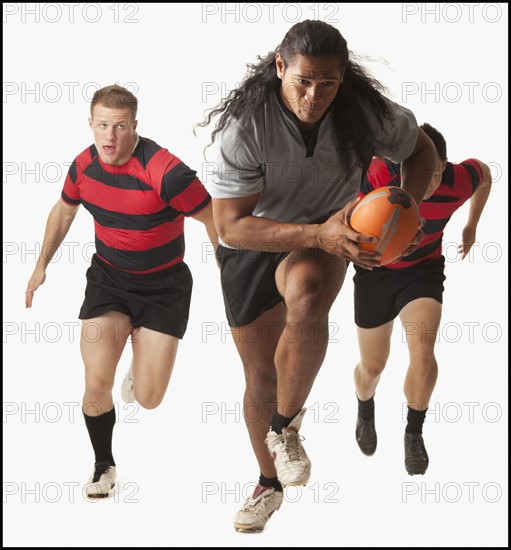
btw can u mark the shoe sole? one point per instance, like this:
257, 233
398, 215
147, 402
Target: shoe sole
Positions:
101, 495
245, 529
295, 483
240, 528
364, 453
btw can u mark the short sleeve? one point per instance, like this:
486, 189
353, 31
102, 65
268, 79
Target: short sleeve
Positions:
239, 170
177, 184
397, 137
70, 193
467, 177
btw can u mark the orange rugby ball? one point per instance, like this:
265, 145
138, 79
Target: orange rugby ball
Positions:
391, 214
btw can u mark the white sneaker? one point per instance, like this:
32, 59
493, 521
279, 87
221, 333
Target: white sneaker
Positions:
291, 461
258, 509
127, 389
101, 481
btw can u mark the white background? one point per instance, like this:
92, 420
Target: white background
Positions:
186, 467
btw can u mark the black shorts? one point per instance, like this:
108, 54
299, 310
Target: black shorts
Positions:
248, 283
382, 293
158, 301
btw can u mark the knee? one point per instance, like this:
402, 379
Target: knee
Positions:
260, 379
371, 369
97, 388
148, 399
423, 353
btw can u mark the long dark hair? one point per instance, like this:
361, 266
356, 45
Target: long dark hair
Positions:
314, 39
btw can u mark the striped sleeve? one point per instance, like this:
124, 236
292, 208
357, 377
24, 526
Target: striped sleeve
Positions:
467, 177
70, 193
379, 174
366, 185
177, 184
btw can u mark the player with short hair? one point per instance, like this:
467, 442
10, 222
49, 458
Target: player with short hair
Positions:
138, 284
412, 288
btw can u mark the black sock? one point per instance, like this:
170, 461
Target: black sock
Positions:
270, 482
278, 422
366, 409
415, 421
100, 430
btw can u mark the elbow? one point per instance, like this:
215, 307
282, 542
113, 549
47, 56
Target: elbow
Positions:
487, 179
225, 235
226, 231
486, 176
220, 227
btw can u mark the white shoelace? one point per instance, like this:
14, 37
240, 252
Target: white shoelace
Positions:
250, 503
292, 447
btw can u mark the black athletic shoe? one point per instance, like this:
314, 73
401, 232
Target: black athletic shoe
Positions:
366, 436
416, 457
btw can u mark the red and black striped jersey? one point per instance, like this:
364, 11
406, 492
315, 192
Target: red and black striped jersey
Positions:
139, 207
459, 182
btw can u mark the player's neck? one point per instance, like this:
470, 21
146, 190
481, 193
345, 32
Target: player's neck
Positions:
136, 142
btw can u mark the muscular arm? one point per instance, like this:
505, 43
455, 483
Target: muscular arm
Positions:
417, 170
59, 221
239, 228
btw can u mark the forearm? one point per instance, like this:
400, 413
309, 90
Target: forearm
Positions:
57, 227
252, 232
212, 234
477, 203
206, 217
